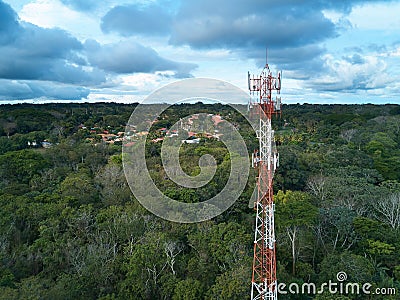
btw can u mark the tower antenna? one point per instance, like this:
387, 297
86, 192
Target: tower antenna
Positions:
264, 106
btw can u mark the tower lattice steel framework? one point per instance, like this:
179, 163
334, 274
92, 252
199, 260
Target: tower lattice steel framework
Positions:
263, 106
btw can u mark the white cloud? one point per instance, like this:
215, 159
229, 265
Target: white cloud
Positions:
52, 13
395, 52
142, 81
376, 16
345, 75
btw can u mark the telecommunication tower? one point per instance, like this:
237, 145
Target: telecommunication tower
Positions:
263, 106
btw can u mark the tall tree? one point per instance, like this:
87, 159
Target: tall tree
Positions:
294, 212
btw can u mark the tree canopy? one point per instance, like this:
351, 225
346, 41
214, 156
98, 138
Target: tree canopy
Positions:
70, 228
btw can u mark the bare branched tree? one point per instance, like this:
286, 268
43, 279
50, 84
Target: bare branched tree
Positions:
316, 185
348, 135
172, 249
59, 130
388, 210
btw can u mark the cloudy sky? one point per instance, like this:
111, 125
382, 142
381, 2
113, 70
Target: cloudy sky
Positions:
330, 51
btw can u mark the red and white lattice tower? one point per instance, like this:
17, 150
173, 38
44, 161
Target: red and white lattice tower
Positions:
263, 106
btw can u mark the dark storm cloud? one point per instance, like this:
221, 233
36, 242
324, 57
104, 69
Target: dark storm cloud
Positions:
249, 24
9, 26
54, 55
296, 28
226, 23
130, 19
130, 57
44, 54
29, 52
20, 90
256, 23
242, 26
38, 62
302, 62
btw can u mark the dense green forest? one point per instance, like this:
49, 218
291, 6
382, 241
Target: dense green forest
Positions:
70, 227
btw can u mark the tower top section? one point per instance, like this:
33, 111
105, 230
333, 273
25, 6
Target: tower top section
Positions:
263, 87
